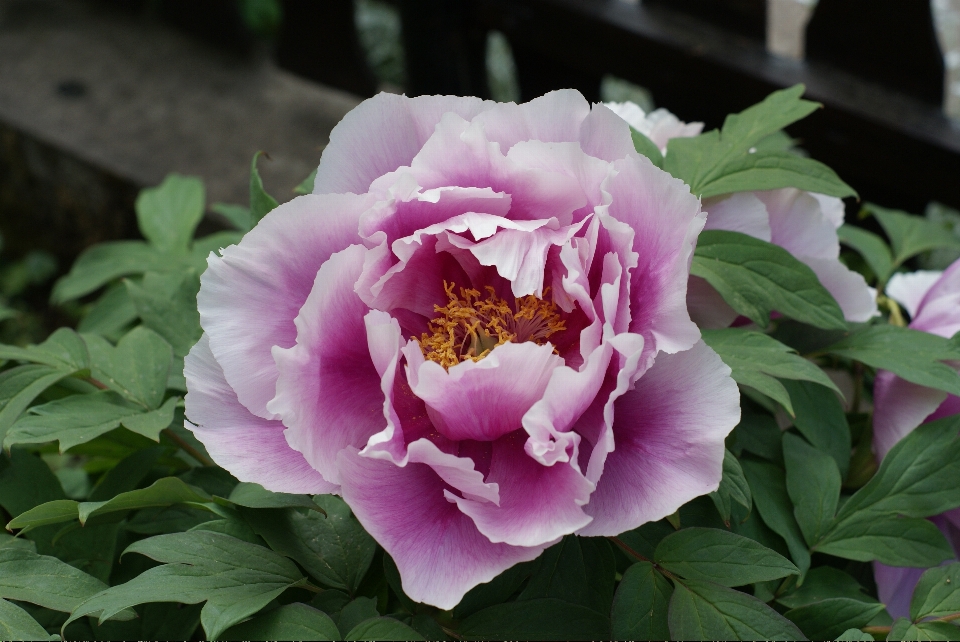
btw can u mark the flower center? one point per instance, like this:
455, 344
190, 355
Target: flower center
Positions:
469, 326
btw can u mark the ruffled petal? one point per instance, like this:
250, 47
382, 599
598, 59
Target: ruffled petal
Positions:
251, 294
669, 436
898, 407
329, 392
605, 135
798, 225
707, 308
483, 400
438, 550
666, 219
253, 449
538, 504
555, 117
381, 134
856, 299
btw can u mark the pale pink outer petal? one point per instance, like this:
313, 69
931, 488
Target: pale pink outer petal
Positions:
947, 285
666, 219
908, 289
663, 125
381, 134
669, 436
856, 299
741, 212
438, 550
898, 407
538, 504
253, 449
555, 117
329, 391
486, 399
605, 135
250, 296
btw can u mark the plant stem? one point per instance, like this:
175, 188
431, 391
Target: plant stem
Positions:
882, 630
187, 448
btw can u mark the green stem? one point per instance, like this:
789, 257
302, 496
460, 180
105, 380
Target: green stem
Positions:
187, 448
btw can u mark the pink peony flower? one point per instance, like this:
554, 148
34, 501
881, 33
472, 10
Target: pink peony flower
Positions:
803, 223
475, 330
933, 301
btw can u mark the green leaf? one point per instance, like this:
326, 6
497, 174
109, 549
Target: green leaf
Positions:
813, 483
820, 418
238, 215
256, 496
52, 512
756, 278
126, 474
701, 160
45, 581
289, 622
16, 624
306, 186
871, 247
821, 583
111, 315
79, 418
167, 304
356, 612
19, 386
163, 492
235, 578
382, 628
493, 592
640, 604
646, 147
756, 359
26, 481
64, 350
169, 213
541, 619
924, 631
910, 235
919, 477
335, 549
706, 611
578, 570
104, 262
907, 541
260, 202
855, 635
721, 557
733, 488
774, 170
137, 368
9, 541
831, 617
910, 354
937, 593
770, 496
758, 433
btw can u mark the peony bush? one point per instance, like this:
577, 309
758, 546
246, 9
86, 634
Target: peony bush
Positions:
552, 370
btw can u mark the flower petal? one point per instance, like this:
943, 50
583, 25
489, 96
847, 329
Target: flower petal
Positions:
899, 407
250, 447
329, 390
742, 212
251, 294
555, 117
438, 550
483, 400
856, 299
908, 289
707, 308
381, 134
538, 504
669, 435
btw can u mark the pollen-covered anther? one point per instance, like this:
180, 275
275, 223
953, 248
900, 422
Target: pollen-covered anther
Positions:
469, 326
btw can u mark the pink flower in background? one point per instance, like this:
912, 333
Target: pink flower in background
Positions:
933, 301
475, 330
803, 223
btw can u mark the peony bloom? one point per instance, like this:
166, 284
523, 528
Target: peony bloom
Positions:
933, 301
474, 330
803, 223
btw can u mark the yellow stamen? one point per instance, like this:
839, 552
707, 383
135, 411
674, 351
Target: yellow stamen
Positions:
469, 327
